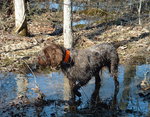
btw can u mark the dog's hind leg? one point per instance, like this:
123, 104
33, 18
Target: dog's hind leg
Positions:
95, 95
114, 71
97, 80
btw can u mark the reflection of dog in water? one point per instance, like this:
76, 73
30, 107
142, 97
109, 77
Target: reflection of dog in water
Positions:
144, 85
81, 65
144, 88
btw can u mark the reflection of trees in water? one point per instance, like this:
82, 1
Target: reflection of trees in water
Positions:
7, 87
66, 91
22, 84
129, 74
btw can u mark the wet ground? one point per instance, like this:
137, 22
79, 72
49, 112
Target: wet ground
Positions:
17, 91
18, 97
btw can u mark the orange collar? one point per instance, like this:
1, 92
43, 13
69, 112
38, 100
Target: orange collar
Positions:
67, 56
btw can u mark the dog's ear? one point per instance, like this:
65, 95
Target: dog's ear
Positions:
57, 57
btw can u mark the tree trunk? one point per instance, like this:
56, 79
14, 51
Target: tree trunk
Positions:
67, 27
20, 18
139, 12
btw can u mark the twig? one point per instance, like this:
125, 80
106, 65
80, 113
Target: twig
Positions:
85, 94
146, 75
31, 71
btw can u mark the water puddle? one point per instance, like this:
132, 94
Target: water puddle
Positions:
59, 6
51, 5
85, 22
55, 87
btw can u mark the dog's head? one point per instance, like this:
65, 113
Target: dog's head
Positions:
53, 56
42, 61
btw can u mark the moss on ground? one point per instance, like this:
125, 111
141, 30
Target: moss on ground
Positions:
92, 12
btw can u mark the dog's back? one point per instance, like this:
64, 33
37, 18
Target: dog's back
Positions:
86, 62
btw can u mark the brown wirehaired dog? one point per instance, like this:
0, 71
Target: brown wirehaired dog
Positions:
81, 65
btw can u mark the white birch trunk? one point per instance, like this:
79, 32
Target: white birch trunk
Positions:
139, 12
67, 26
20, 19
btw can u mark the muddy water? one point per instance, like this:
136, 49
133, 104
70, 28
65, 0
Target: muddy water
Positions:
126, 102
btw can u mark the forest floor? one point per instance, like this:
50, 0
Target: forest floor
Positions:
17, 51
19, 54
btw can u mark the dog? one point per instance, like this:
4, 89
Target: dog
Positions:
81, 65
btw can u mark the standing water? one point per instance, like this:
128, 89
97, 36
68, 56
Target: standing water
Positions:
18, 97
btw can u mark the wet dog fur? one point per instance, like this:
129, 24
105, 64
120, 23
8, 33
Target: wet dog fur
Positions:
83, 63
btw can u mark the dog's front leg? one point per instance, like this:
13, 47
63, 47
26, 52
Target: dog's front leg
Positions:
80, 84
